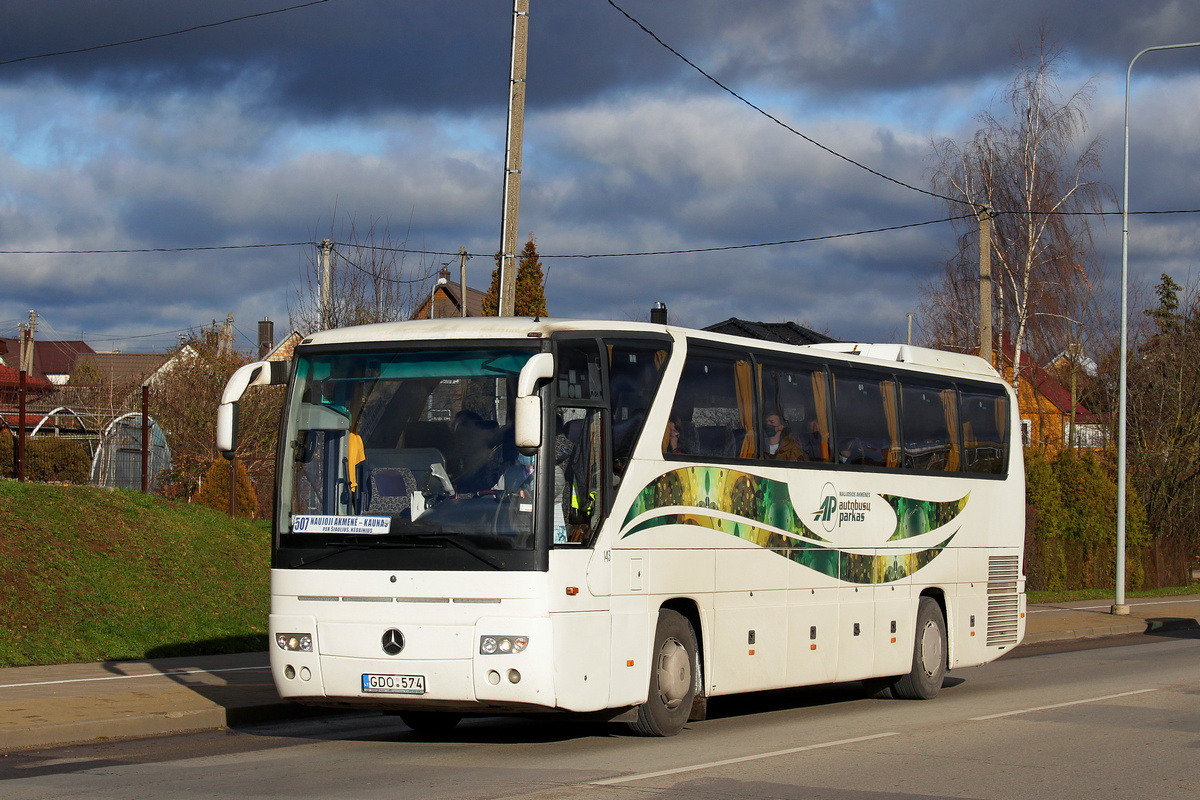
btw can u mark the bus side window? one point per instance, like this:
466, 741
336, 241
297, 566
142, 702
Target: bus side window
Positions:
634, 373
798, 397
985, 431
713, 411
578, 476
930, 425
865, 420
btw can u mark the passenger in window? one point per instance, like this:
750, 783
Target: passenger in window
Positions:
781, 444
676, 441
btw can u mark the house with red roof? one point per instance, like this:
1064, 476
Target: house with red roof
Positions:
1047, 409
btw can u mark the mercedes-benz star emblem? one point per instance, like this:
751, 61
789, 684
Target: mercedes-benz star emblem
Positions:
393, 641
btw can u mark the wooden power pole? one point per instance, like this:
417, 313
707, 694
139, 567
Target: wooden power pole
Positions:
985, 215
512, 160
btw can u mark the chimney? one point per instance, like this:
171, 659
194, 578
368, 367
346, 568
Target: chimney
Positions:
658, 314
266, 337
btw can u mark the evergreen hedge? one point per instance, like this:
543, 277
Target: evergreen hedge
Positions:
47, 460
1071, 525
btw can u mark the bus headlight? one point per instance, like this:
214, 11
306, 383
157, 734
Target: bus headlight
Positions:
294, 642
490, 645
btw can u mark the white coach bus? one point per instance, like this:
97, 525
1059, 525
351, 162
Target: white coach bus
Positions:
489, 516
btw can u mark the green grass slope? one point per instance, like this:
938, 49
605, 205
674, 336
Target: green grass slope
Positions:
94, 575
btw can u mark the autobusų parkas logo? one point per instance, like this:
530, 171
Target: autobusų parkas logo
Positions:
834, 509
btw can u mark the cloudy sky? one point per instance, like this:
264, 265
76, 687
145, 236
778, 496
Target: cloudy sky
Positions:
284, 127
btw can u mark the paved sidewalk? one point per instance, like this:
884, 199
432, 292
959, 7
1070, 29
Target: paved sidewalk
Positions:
46, 706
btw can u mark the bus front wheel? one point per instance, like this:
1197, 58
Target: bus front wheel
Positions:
673, 675
924, 681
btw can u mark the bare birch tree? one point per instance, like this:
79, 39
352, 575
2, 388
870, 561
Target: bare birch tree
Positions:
372, 281
1035, 169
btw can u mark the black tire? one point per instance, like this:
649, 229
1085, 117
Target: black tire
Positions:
436, 722
924, 681
673, 677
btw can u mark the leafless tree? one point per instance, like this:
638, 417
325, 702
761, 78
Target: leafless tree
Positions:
372, 280
1035, 169
184, 399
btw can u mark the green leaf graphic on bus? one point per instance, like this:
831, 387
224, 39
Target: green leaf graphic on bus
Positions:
761, 500
915, 517
752, 497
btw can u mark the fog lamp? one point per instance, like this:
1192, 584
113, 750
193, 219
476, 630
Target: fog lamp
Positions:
294, 642
490, 645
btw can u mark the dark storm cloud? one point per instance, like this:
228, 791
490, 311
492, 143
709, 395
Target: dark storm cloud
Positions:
284, 127
358, 56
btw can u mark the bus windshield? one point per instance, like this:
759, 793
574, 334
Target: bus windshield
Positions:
405, 460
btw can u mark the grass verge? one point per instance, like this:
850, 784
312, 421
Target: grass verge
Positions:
1107, 594
96, 575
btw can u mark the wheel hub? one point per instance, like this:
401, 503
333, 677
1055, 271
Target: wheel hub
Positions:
674, 673
931, 650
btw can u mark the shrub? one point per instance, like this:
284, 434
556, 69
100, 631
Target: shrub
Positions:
56, 461
1045, 555
214, 491
1071, 524
47, 460
8, 447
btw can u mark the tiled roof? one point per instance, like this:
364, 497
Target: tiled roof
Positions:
10, 382
49, 357
123, 368
1046, 385
784, 332
449, 303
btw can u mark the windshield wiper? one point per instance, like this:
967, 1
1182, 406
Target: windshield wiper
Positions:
337, 548
460, 544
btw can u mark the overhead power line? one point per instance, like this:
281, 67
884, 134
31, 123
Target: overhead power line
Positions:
149, 249
778, 121
762, 244
161, 35
680, 251
456, 253
378, 276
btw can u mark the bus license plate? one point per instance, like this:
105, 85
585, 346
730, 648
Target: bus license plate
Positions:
393, 684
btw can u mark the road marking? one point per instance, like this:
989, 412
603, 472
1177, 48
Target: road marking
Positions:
727, 761
1063, 705
1109, 606
169, 673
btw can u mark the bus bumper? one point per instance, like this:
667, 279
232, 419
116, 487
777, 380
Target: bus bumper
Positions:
398, 666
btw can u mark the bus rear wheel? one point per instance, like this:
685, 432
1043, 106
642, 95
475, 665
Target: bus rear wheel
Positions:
924, 681
673, 677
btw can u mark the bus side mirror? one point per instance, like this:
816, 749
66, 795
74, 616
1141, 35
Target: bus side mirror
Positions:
227, 428
527, 422
260, 373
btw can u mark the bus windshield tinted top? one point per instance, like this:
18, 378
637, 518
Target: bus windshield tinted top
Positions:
406, 460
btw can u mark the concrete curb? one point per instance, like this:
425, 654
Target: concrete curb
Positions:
154, 723
89, 730
1134, 626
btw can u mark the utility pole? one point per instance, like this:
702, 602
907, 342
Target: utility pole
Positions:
27, 343
985, 215
326, 281
462, 280
512, 160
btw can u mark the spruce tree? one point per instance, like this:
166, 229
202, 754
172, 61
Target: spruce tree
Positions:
530, 298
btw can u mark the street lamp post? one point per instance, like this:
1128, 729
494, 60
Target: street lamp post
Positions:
1119, 606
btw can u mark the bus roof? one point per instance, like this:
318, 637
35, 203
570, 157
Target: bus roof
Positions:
478, 328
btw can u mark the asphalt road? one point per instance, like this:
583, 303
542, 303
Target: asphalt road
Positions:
1117, 718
